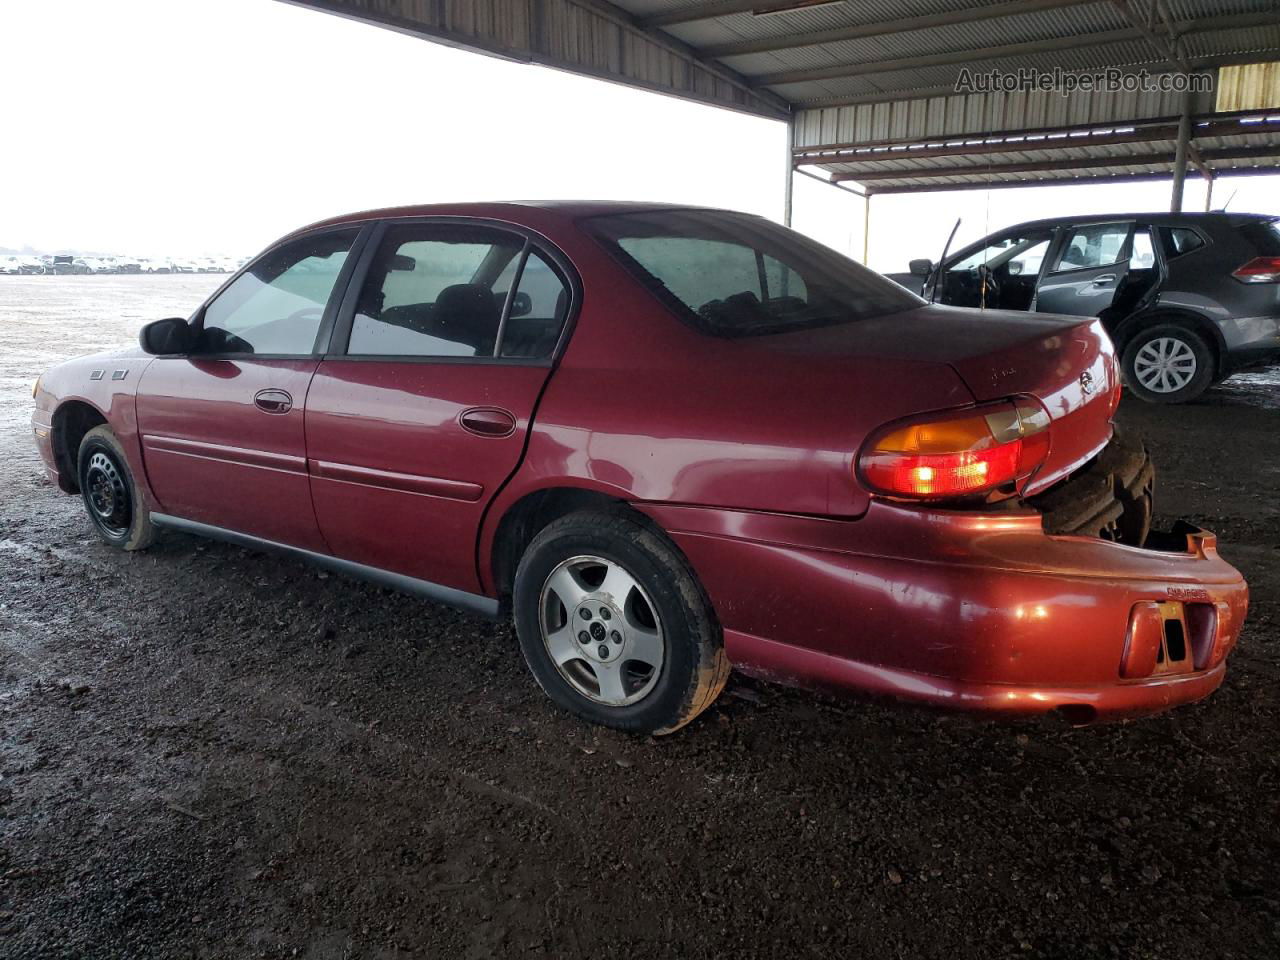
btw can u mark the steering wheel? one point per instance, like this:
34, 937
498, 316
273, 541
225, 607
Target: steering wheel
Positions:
989, 285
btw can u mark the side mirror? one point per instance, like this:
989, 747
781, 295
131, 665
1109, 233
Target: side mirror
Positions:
167, 337
920, 268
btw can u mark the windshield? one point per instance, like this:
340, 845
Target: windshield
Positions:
735, 275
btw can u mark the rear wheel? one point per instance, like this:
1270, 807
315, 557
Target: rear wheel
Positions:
1168, 363
614, 626
111, 496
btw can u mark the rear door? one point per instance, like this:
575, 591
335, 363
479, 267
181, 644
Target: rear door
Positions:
420, 413
1086, 268
222, 427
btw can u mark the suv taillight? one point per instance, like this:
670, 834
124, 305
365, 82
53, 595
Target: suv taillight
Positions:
957, 454
1259, 270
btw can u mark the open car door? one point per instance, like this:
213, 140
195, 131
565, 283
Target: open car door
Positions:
1087, 266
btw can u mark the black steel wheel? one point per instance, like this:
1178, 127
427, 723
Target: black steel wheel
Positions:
111, 496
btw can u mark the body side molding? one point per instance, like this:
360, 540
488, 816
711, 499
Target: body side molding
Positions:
471, 602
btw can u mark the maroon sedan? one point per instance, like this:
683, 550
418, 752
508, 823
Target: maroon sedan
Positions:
668, 442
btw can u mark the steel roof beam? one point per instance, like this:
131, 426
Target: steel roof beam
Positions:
1038, 166
1143, 131
860, 31
712, 10
1001, 52
1059, 181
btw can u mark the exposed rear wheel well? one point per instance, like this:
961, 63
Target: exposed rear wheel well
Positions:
71, 422
1192, 321
532, 513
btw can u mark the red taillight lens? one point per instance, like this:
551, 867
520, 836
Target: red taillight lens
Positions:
1259, 270
959, 454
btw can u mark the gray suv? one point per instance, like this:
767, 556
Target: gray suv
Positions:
1188, 298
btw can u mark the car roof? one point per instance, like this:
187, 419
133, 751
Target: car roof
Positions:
506, 209
1166, 218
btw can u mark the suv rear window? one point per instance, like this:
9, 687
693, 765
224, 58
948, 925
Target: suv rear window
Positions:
736, 275
1264, 235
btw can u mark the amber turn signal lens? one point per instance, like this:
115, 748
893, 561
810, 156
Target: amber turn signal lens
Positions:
963, 454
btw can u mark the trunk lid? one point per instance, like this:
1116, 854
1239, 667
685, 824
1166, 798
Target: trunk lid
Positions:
1066, 363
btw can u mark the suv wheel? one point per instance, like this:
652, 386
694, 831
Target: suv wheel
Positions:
614, 626
1168, 363
111, 497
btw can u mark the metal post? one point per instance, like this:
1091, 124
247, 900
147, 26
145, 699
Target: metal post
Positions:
786, 197
1208, 195
1180, 156
866, 229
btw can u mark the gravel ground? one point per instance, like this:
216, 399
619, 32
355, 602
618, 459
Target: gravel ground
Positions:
208, 752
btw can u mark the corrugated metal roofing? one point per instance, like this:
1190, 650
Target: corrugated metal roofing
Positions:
894, 78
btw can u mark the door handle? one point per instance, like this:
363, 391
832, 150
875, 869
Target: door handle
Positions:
1103, 280
488, 422
273, 401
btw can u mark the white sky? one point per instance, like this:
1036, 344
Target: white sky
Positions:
214, 126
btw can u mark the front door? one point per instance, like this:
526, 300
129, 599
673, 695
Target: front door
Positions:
222, 428
420, 416
1088, 266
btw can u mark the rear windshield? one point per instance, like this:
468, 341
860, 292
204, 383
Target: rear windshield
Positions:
1264, 235
736, 275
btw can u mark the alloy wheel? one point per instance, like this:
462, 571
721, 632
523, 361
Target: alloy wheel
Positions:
601, 630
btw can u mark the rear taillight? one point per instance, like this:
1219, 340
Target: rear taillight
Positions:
1259, 270
958, 454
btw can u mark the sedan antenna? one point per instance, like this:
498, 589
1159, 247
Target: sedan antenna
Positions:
937, 281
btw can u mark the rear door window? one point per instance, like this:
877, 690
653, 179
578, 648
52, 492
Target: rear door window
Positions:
445, 290
1092, 245
430, 292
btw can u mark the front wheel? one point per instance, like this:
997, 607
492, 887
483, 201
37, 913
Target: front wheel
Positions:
111, 496
1168, 363
614, 625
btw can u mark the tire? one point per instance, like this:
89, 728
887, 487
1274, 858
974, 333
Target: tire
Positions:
660, 607
111, 495
1168, 363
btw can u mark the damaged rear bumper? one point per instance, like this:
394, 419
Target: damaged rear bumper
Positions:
983, 611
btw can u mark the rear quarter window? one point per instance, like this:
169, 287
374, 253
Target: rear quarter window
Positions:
1179, 241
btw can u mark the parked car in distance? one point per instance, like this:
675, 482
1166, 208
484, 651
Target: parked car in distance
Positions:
1188, 298
667, 441
19, 264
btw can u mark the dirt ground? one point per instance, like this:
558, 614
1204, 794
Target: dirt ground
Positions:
208, 752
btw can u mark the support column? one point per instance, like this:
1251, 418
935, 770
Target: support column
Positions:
1180, 156
786, 196
866, 228
1208, 194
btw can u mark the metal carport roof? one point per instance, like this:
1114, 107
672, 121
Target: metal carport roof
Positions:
869, 87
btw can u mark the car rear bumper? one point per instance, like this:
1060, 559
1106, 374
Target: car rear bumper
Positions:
977, 611
1251, 340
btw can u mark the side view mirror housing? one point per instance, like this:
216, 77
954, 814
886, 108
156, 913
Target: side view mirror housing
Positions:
921, 267
169, 336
